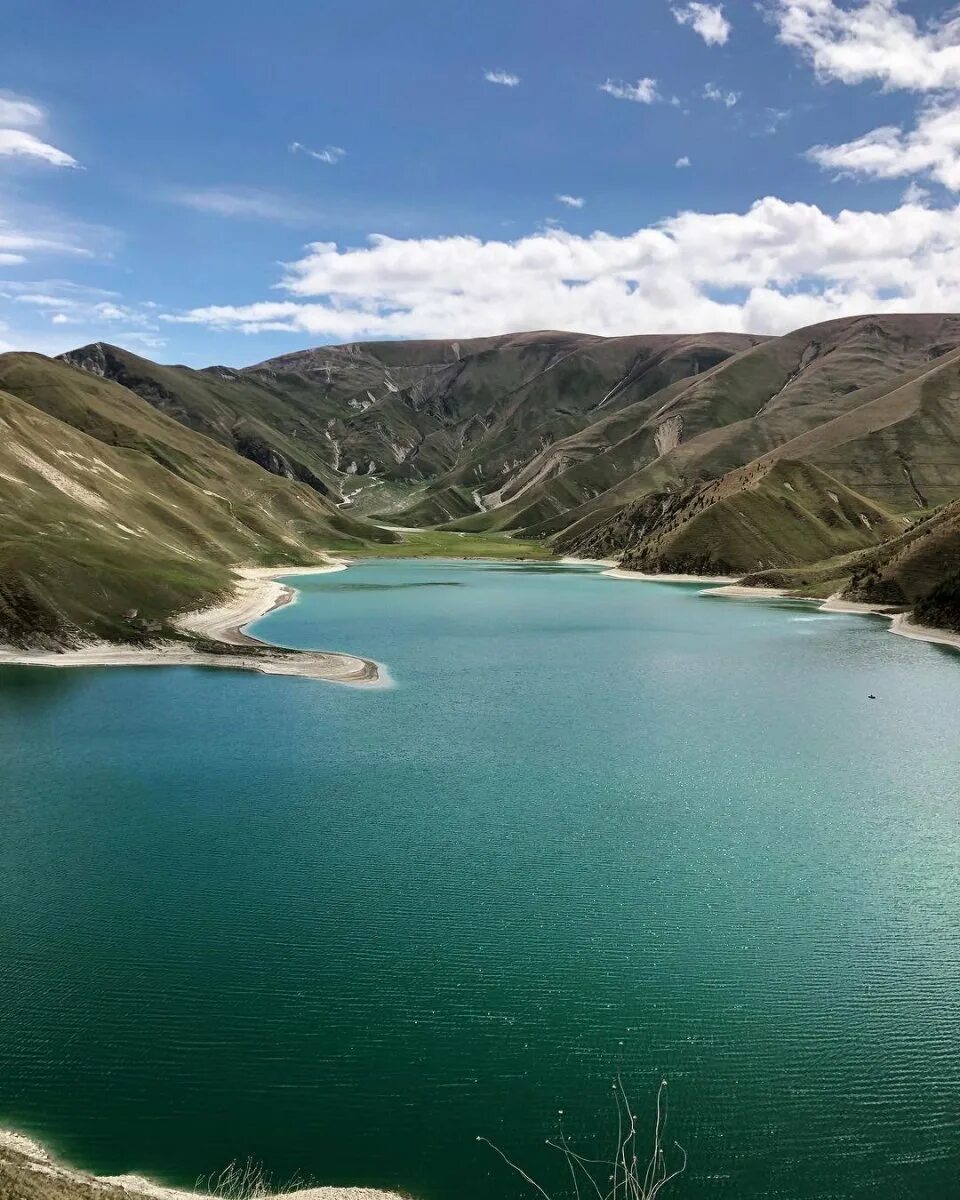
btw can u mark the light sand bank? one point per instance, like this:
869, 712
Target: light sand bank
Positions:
900, 622
256, 594
835, 604
621, 573
727, 587
904, 627
20, 1154
571, 560
737, 591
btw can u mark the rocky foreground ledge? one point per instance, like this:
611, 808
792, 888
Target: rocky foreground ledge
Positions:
27, 1172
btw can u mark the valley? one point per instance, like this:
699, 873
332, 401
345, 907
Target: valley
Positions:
826, 461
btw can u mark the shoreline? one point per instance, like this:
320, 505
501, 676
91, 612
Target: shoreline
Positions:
900, 622
615, 571
257, 592
622, 573
728, 587
31, 1156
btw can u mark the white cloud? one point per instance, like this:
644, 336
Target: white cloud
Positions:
79, 313
503, 78
774, 118
915, 194
50, 292
570, 201
712, 92
241, 202
19, 111
16, 114
876, 41
931, 148
775, 267
17, 143
330, 155
17, 244
705, 19
873, 40
682, 162
644, 91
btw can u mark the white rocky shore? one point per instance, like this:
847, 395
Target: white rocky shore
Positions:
258, 592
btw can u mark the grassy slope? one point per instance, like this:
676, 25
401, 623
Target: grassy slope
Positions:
921, 568
776, 514
117, 417
430, 543
277, 426
751, 405
710, 450
86, 535
115, 516
452, 417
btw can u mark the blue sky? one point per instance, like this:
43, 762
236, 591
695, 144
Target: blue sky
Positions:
150, 195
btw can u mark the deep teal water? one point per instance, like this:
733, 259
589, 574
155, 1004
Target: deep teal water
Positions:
596, 824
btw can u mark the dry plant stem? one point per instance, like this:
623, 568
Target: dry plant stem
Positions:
243, 1181
621, 1175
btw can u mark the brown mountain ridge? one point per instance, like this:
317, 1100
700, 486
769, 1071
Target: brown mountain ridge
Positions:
832, 451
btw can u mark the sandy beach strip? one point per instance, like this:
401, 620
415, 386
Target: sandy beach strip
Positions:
19, 1153
727, 587
901, 625
257, 593
616, 572
571, 560
900, 622
737, 591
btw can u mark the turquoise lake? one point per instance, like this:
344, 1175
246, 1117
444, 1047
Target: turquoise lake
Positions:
595, 826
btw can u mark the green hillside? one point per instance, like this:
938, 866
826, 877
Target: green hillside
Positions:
829, 457
777, 514
115, 516
834, 387
449, 420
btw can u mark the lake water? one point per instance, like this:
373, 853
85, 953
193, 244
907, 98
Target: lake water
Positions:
596, 826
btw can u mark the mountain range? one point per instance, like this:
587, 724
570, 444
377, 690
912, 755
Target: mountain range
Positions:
826, 460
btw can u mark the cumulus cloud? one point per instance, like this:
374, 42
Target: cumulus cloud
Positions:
503, 78
931, 148
570, 201
877, 41
915, 194
17, 143
705, 19
712, 92
330, 155
776, 266
682, 161
644, 91
872, 41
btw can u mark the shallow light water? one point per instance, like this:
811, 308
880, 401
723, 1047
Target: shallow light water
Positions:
595, 825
